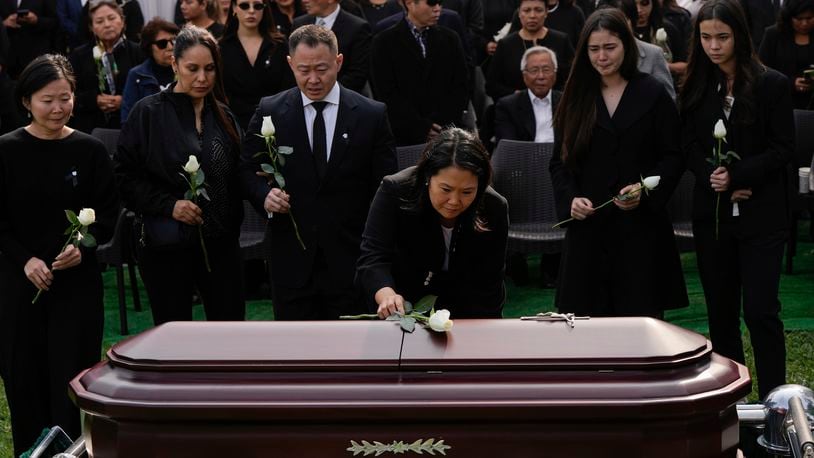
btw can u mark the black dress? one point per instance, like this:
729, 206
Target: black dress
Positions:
740, 269
155, 143
780, 52
245, 83
405, 250
622, 263
505, 77
44, 345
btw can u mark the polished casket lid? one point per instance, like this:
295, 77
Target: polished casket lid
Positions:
357, 370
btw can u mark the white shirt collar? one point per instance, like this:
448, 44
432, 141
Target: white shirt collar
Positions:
332, 97
533, 97
331, 18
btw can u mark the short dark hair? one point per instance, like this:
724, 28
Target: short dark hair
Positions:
312, 36
790, 9
94, 5
151, 30
452, 147
41, 72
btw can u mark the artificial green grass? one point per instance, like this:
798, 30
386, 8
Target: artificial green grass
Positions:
797, 298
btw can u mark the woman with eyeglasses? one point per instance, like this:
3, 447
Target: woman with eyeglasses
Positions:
741, 207
255, 54
613, 126
788, 47
505, 76
101, 68
203, 14
155, 73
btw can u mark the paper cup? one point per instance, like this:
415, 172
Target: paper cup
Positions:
805, 174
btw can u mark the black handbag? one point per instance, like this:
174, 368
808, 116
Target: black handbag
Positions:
163, 232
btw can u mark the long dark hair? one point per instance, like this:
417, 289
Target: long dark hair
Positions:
452, 147
703, 74
267, 27
576, 113
654, 22
192, 36
790, 9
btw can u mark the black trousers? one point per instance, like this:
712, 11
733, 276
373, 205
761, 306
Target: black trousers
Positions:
44, 345
318, 299
736, 271
172, 275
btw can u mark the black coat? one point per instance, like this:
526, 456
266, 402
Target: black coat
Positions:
29, 41
780, 53
514, 116
623, 262
505, 76
419, 91
401, 248
87, 114
246, 84
330, 213
765, 146
354, 35
156, 142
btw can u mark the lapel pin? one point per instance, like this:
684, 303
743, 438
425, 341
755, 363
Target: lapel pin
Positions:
345, 135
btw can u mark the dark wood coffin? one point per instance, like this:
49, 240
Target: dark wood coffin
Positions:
628, 387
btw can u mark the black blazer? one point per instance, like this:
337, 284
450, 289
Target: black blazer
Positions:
780, 53
354, 35
419, 91
87, 114
330, 213
246, 84
765, 146
29, 41
514, 116
400, 248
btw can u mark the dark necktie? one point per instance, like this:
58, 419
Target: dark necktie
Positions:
320, 147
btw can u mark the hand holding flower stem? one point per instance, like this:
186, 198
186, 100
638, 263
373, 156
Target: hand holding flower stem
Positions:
719, 159
646, 184
276, 157
77, 233
438, 320
196, 188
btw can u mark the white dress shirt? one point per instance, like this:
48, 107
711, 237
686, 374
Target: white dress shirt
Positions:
544, 129
328, 21
329, 114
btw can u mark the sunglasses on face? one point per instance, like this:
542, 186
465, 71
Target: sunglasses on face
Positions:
257, 6
433, 2
162, 43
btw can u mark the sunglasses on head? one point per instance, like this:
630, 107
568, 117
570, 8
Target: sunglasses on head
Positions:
162, 43
257, 6
433, 2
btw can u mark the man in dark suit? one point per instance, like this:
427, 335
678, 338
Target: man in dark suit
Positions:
352, 33
342, 147
527, 115
31, 25
419, 70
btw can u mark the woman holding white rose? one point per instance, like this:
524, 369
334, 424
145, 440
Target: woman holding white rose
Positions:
168, 138
45, 169
614, 126
740, 208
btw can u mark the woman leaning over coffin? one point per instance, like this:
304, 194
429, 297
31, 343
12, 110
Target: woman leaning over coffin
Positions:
740, 206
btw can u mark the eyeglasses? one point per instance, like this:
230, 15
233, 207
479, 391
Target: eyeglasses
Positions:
433, 2
257, 6
534, 71
162, 43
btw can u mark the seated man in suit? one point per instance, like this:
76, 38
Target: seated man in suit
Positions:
419, 70
527, 115
341, 148
353, 34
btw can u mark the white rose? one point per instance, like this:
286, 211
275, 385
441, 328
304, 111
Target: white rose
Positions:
192, 165
501, 34
86, 216
97, 53
650, 183
720, 130
661, 36
439, 321
267, 130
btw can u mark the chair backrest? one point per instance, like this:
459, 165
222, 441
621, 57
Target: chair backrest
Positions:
110, 137
521, 176
407, 156
804, 138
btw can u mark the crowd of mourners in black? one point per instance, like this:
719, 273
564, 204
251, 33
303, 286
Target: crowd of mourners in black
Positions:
623, 89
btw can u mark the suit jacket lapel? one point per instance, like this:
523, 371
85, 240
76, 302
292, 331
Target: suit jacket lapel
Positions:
526, 114
346, 119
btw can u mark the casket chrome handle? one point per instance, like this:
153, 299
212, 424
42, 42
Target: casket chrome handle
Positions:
798, 430
569, 318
